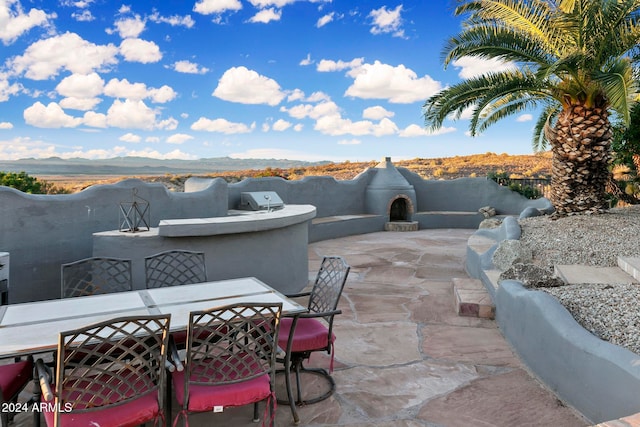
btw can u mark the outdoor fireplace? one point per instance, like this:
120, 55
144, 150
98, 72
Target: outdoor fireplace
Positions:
391, 195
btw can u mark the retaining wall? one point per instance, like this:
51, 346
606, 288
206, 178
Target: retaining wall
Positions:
599, 379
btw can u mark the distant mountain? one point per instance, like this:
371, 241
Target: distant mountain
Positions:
144, 166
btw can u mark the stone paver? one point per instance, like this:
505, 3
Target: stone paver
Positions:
403, 357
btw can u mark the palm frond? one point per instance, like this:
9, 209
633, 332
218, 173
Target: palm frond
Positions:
619, 85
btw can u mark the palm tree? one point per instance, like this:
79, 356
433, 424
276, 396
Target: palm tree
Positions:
574, 59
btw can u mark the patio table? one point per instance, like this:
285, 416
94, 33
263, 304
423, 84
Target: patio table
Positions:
30, 328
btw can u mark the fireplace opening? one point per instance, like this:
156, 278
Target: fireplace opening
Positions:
398, 210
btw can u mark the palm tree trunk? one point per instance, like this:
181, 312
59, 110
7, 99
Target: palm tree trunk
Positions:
581, 153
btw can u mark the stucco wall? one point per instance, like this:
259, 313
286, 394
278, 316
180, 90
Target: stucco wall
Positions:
41, 232
598, 378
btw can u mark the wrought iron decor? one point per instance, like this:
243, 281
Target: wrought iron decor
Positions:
134, 215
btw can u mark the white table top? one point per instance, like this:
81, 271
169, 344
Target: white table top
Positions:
34, 327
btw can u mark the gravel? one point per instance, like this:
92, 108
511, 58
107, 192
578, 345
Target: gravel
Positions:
609, 311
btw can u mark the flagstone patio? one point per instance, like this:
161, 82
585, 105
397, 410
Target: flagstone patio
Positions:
403, 357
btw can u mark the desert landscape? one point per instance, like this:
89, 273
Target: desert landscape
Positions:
477, 165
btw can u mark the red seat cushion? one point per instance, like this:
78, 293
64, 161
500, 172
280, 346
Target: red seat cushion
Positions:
310, 334
128, 414
14, 377
206, 397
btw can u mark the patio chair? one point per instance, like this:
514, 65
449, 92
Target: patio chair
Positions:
230, 360
96, 275
312, 331
175, 267
13, 379
109, 373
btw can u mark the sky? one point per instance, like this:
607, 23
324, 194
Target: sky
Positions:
307, 80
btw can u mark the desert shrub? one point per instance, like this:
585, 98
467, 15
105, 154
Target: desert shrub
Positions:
28, 184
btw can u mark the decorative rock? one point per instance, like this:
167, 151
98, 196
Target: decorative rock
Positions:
490, 223
531, 276
487, 211
529, 212
510, 252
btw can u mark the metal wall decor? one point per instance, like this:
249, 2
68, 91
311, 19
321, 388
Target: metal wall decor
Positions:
134, 215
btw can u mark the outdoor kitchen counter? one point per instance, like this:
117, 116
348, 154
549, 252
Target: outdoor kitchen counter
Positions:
271, 246
237, 222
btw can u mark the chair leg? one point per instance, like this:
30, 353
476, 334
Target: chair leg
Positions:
256, 413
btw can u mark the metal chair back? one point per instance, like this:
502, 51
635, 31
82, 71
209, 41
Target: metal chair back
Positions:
92, 276
111, 363
231, 344
175, 267
328, 286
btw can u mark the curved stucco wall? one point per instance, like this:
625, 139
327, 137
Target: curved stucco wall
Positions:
599, 379
41, 232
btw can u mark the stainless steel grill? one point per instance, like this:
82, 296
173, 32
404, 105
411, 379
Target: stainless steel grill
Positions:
260, 200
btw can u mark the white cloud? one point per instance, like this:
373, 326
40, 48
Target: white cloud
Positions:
178, 138
306, 61
68, 51
130, 137
130, 27
415, 130
396, 84
152, 139
323, 109
472, 67
22, 148
524, 118
221, 125
50, 116
296, 95
81, 85
209, 7
188, 67
324, 20
349, 142
266, 3
377, 113
266, 15
281, 125
138, 50
298, 127
6, 125
8, 89
155, 154
387, 21
162, 95
131, 114
96, 120
318, 97
336, 125
239, 84
173, 20
82, 104
327, 65
14, 22
168, 124
136, 91
83, 16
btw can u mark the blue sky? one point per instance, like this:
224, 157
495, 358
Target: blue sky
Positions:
288, 79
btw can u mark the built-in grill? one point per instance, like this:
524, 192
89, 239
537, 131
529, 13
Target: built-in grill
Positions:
260, 200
